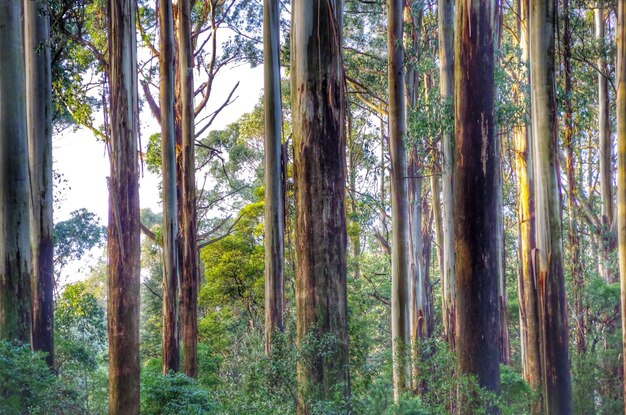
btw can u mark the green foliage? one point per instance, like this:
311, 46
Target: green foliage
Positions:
74, 237
173, 393
28, 385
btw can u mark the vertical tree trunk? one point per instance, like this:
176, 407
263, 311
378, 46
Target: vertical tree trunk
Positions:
503, 301
621, 163
171, 277
15, 291
605, 156
445, 11
476, 255
189, 268
568, 142
39, 115
318, 104
527, 289
557, 388
399, 202
123, 229
274, 245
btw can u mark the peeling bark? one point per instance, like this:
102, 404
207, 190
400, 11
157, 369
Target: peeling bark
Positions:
123, 229
318, 104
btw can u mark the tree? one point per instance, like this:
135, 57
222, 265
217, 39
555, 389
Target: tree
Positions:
318, 106
123, 229
475, 194
274, 211
39, 114
445, 10
399, 202
15, 291
621, 160
187, 201
553, 331
171, 346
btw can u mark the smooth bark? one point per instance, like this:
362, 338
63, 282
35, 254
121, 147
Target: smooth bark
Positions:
476, 246
123, 229
274, 211
445, 12
15, 289
39, 114
318, 105
171, 276
399, 202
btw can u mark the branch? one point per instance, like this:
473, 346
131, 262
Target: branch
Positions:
224, 235
154, 107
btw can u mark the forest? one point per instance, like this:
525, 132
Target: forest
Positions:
424, 213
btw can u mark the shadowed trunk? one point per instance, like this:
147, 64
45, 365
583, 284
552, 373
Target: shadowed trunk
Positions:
475, 184
318, 104
123, 230
39, 114
15, 289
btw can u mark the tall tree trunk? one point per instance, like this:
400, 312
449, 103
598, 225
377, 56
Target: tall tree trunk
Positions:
445, 11
553, 334
318, 103
189, 268
171, 276
476, 268
399, 202
123, 230
39, 115
605, 154
15, 291
527, 289
503, 301
274, 245
621, 163
572, 186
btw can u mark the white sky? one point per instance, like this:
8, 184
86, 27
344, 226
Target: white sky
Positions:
83, 160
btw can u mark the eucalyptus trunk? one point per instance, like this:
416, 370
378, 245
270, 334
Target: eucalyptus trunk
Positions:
475, 184
171, 276
274, 211
15, 289
527, 288
621, 162
503, 301
39, 115
445, 12
189, 273
318, 104
548, 266
399, 203
605, 153
123, 229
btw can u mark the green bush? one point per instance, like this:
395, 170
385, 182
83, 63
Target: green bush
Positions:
28, 385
